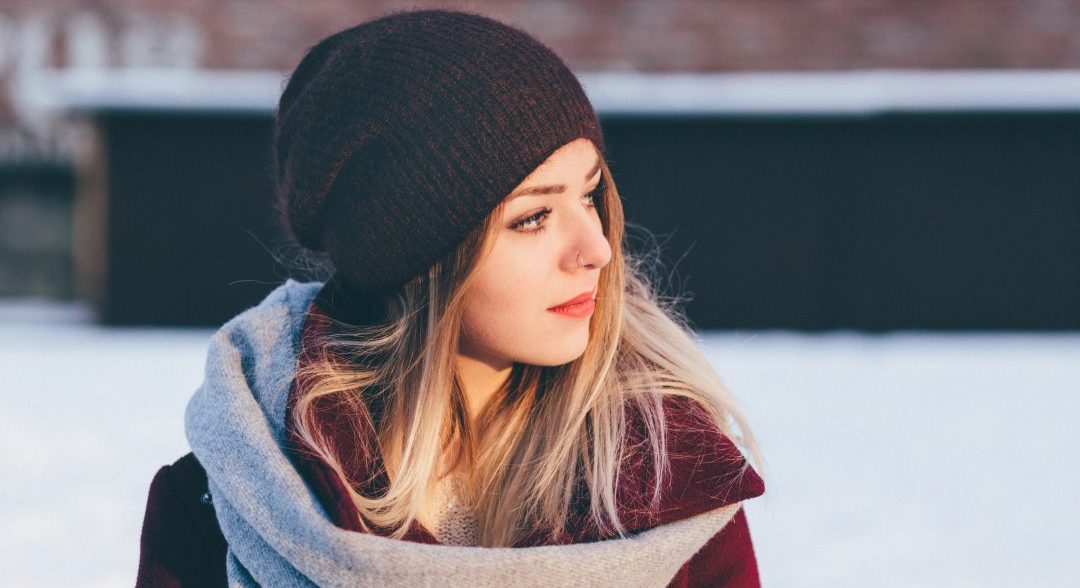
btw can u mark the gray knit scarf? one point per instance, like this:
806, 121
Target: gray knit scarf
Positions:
278, 534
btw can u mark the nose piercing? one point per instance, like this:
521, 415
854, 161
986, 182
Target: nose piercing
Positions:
579, 260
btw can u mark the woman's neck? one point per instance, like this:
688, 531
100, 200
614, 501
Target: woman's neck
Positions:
480, 378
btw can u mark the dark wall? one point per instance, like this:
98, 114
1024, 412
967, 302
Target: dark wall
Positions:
35, 229
925, 221
190, 222
929, 220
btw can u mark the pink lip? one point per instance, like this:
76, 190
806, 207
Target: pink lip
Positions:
579, 306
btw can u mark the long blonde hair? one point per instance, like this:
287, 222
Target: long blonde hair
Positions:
543, 431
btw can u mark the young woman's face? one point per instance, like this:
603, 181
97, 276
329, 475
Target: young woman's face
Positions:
549, 250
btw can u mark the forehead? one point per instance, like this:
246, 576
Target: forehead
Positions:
576, 161
578, 156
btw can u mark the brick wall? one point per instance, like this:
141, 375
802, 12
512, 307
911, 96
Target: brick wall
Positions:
602, 34
648, 35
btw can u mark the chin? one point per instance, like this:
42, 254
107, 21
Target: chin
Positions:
554, 349
554, 357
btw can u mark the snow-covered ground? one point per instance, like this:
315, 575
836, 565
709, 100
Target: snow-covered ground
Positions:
908, 459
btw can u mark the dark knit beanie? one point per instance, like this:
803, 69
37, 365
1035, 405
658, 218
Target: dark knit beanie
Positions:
396, 137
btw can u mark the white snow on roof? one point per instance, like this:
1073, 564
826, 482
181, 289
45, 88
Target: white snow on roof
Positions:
853, 92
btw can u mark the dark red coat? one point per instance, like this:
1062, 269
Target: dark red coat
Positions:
182, 545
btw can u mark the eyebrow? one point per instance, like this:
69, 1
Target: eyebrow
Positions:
552, 189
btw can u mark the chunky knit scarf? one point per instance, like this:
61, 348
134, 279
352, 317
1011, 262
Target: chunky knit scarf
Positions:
277, 533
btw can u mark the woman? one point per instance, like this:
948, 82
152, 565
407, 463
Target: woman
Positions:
486, 391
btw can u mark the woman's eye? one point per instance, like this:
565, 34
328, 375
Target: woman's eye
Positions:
528, 224
594, 194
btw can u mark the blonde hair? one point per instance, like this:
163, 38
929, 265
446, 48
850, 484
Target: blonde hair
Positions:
548, 427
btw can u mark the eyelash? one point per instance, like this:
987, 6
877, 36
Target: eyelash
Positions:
542, 213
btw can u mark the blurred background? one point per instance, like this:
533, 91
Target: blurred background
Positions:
870, 207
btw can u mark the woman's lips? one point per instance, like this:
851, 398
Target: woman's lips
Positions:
579, 306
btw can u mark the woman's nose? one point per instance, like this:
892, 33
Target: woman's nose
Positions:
590, 246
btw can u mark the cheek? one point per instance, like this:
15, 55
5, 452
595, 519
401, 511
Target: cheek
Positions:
505, 305
506, 317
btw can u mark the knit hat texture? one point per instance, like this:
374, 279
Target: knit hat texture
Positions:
396, 137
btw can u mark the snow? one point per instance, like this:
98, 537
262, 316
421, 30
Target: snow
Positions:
903, 459
824, 92
912, 459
